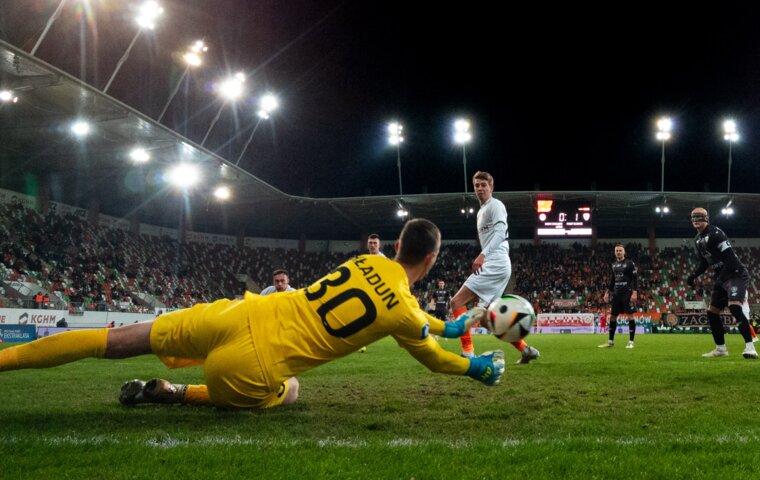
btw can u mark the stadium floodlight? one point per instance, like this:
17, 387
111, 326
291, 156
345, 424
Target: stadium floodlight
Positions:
192, 59
402, 212
7, 96
148, 13
139, 155
396, 138
184, 175
664, 126
230, 89
222, 193
267, 104
731, 135
80, 128
463, 136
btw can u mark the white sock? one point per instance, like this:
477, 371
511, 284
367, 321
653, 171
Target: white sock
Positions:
749, 346
722, 348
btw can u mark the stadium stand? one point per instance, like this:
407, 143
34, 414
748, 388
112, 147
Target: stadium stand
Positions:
83, 266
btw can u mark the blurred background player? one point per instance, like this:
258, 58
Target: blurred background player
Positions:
492, 268
373, 245
442, 297
624, 287
252, 349
730, 283
280, 283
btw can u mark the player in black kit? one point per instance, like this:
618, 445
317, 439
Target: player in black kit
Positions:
624, 286
731, 280
442, 298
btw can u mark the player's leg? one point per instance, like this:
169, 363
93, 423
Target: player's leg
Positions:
631, 321
459, 303
737, 295
65, 347
718, 302
612, 326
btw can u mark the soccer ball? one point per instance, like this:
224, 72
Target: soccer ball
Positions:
510, 318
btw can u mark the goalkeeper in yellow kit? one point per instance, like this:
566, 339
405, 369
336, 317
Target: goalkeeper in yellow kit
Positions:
252, 349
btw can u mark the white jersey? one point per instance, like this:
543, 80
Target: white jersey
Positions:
492, 230
271, 289
490, 282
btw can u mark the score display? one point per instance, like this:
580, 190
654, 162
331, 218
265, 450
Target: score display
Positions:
561, 218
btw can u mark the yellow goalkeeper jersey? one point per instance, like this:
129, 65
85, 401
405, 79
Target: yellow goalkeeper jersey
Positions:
363, 300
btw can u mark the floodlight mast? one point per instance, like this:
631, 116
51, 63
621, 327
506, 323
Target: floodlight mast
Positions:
463, 136
192, 58
664, 126
396, 138
731, 135
146, 19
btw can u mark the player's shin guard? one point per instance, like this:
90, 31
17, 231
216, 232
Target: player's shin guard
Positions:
631, 328
741, 320
466, 339
613, 328
716, 327
55, 350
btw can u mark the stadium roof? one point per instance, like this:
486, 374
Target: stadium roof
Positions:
38, 153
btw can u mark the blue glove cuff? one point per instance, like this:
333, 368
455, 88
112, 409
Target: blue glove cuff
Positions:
454, 329
481, 368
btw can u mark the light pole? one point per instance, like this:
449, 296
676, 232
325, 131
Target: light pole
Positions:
230, 89
146, 19
396, 138
664, 126
192, 58
49, 24
463, 136
267, 105
730, 134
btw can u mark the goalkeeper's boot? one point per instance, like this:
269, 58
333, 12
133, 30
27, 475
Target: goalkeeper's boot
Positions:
630, 344
609, 344
153, 391
528, 354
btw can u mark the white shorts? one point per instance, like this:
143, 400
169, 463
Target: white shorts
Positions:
491, 282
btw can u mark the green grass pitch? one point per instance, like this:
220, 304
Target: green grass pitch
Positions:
657, 411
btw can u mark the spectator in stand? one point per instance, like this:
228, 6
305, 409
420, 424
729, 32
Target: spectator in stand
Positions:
281, 283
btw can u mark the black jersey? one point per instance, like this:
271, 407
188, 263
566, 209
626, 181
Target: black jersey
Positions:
442, 297
714, 248
625, 277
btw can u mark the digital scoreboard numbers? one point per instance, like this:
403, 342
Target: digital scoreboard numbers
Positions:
560, 218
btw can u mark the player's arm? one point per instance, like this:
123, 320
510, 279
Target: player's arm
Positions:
634, 282
699, 271
610, 287
486, 368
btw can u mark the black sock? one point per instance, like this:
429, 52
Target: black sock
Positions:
632, 328
741, 320
613, 327
716, 327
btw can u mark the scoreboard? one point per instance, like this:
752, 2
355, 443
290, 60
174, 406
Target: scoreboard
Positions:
564, 218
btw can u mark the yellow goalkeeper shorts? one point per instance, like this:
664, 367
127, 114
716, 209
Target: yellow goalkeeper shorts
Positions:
217, 336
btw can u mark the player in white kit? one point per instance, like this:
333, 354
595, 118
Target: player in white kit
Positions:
492, 268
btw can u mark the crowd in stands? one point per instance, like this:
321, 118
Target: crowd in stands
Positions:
82, 266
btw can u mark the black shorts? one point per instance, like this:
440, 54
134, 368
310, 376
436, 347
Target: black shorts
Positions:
732, 289
440, 314
621, 303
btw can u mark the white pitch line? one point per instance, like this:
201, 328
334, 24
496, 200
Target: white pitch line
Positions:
169, 442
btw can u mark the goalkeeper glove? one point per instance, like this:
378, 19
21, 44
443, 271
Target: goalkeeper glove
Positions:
487, 368
463, 323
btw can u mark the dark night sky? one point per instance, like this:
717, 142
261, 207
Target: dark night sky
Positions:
564, 97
